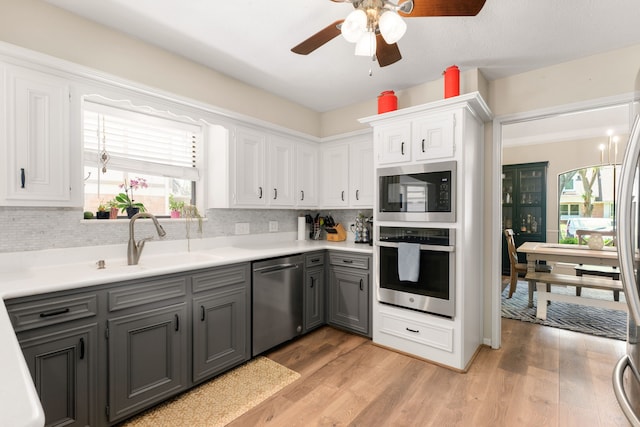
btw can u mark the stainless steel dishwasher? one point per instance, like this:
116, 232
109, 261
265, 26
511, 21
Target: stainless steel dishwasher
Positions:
277, 301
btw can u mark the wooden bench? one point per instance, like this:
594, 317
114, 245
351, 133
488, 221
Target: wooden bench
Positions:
545, 294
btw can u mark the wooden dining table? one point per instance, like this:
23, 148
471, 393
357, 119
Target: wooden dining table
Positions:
570, 254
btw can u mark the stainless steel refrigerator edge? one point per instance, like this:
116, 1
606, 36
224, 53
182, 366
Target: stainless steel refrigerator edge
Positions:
627, 388
277, 301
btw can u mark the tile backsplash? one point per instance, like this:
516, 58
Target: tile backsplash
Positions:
28, 229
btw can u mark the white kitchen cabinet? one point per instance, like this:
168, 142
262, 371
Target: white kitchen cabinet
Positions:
306, 175
263, 169
394, 143
433, 137
361, 173
335, 175
347, 174
35, 140
280, 175
249, 171
417, 139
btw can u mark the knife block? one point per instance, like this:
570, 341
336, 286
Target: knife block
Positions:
336, 233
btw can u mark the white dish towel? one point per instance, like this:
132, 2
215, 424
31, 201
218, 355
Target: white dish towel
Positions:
408, 261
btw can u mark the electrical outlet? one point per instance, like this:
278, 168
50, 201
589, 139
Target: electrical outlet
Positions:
273, 226
242, 228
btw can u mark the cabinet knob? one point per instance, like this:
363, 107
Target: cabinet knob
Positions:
423, 145
402, 148
177, 323
357, 194
361, 287
202, 313
312, 279
301, 194
275, 193
22, 178
342, 196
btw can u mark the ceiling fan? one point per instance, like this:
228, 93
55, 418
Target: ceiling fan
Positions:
376, 25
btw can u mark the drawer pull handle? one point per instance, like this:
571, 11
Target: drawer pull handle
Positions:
56, 312
423, 145
347, 261
202, 312
361, 288
302, 194
315, 260
416, 331
22, 178
177, 323
81, 348
275, 193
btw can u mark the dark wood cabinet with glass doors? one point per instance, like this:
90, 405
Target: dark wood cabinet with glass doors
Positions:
524, 205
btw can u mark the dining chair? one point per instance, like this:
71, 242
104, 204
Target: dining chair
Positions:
597, 270
517, 268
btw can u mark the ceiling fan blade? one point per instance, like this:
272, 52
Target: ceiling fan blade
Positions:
318, 39
386, 54
444, 8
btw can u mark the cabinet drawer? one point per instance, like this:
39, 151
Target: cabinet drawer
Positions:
220, 277
39, 313
436, 336
146, 292
314, 259
347, 260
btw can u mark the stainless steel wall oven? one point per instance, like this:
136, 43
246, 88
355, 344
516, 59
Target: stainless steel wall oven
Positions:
434, 289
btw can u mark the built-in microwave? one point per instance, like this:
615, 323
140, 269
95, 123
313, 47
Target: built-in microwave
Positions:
423, 192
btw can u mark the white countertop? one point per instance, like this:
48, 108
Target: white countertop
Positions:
31, 273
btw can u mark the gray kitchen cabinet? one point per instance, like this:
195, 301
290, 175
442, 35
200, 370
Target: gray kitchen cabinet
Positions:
58, 338
221, 319
349, 296
314, 294
147, 331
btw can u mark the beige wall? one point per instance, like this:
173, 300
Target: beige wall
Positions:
36, 25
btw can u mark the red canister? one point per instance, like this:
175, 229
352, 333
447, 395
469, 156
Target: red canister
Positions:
451, 81
387, 101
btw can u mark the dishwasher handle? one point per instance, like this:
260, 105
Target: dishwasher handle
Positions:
274, 268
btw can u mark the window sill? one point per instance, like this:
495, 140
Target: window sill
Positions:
161, 219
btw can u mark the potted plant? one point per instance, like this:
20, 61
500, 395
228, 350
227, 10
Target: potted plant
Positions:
127, 203
102, 212
175, 207
113, 209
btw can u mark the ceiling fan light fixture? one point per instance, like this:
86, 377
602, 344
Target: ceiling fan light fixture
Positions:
354, 26
392, 27
366, 46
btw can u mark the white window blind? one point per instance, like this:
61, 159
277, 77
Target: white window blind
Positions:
140, 142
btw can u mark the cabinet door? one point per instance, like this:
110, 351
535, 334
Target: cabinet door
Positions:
335, 176
349, 299
307, 175
314, 296
250, 187
63, 366
393, 143
361, 174
220, 332
433, 137
147, 358
36, 145
280, 169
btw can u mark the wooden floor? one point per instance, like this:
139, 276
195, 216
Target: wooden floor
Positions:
540, 377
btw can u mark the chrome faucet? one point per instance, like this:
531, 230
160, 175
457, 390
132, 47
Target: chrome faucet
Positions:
134, 249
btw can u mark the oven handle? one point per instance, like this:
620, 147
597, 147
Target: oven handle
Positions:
434, 248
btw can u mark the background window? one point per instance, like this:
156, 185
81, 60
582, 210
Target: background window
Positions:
121, 144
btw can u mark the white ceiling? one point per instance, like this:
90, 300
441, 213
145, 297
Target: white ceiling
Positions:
250, 40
